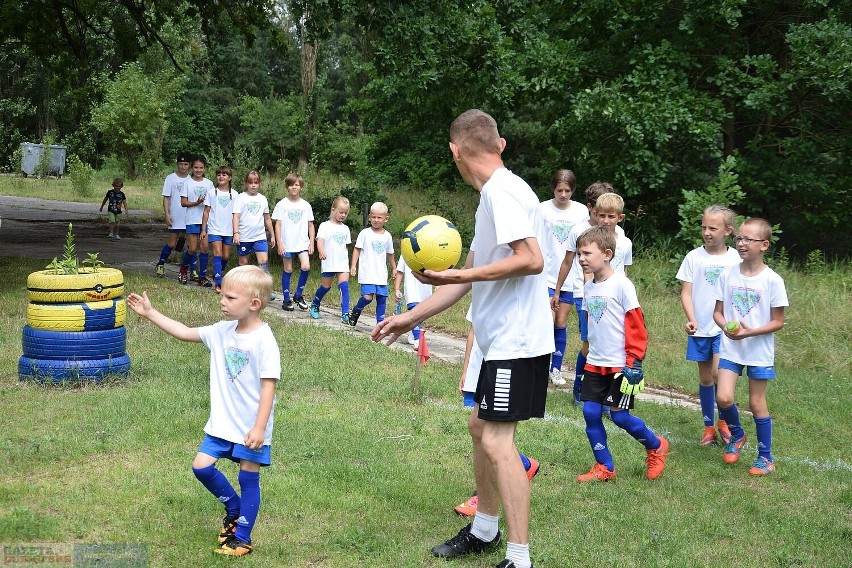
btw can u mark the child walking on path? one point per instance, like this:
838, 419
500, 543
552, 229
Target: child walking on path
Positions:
217, 225
245, 365
373, 251
252, 223
617, 344
750, 302
699, 272
332, 238
415, 292
192, 197
294, 233
117, 200
175, 214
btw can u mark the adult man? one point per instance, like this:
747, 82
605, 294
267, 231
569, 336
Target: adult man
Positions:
512, 326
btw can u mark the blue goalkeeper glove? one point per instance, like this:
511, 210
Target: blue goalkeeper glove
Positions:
632, 379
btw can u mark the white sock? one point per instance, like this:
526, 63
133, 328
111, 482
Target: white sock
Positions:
484, 526
519, 554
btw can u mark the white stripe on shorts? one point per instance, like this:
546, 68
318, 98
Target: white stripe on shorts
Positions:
501, 390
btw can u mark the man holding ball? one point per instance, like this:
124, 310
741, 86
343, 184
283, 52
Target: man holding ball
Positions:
511, 318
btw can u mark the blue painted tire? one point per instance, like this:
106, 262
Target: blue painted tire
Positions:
82, 316
74, 345
58, 371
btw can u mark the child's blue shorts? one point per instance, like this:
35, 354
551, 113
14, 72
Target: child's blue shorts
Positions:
377, 289
224, 239
332, 274
293, 254
752, 371
244, 249
468, 399
219, 448
582, 319
565, 296
193, 229
702, 348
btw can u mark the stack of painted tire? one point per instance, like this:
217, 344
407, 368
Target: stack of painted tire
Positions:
75, 327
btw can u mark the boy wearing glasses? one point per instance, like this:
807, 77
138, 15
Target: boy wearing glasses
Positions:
750, 302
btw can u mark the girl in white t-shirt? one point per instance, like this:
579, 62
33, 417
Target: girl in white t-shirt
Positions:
252, 223
698, 273
295, 234
332, 237
217, 226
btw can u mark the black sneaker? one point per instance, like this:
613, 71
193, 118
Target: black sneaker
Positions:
229, 527
464, 543
509, 564
287, 306
353, 317
300, 301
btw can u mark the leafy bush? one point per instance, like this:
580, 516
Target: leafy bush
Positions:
82, 176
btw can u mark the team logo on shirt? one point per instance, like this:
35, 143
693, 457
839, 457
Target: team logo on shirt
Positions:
223, 201
561, 230
235, 361
378, 247
295, 215
339, 238
253, 208
199, 191
744, 299
596, 306
711, 273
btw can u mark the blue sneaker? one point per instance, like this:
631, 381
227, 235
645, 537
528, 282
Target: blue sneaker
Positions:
314, 311
762, 467
345, 318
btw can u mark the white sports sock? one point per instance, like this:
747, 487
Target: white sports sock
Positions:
484, 526
519, 554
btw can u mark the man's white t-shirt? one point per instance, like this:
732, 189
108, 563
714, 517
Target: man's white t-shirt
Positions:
193, 190
238, 362
295, 217
335, 238
252, 223
220, 219
607, 303
373, 258
558, 224
750, 299
511, 317
702, 270
414, 290
172, 188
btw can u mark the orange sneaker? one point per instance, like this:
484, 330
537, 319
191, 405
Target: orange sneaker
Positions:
724, 431
534, 466
656, 459
732, 450
468, 508
234, 547
599, 472
762, 467
709, 436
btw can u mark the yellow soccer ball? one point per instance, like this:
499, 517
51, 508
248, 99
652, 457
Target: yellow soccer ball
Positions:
431, 243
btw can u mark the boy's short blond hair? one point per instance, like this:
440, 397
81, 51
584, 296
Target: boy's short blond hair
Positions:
379, 207
601, 236
763, 227
609, 203
252, 279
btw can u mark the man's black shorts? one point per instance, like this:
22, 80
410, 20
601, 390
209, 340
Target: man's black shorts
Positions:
513, 390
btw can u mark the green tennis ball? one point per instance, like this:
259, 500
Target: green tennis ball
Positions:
733, 327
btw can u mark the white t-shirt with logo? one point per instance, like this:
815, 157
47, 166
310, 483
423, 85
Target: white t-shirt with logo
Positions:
252, 223
193, 190
511, 317
295, 217
750, 299
172, 188
623, 255
558, 224
373, 258
335, 238
702, 270
238, 362
607, 303
220, 219
415, 291
575, 275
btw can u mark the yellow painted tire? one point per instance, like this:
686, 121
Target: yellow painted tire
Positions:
82, 316
46, 287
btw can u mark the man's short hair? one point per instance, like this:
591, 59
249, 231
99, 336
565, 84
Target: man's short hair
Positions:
252, 279
477, 131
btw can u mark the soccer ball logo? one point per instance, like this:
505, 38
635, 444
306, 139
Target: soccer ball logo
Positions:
431, 243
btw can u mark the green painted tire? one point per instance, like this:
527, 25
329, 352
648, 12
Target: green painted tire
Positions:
46, 287
84, 316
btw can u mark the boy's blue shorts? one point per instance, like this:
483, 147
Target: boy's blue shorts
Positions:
752, 371
216, 238
582, 319
332, 274
293, 254
244, 249
376, 289
180, 230
468, 399
193, 229
565, 296
702, 348
219, 448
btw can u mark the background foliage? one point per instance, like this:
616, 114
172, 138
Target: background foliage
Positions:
652, 96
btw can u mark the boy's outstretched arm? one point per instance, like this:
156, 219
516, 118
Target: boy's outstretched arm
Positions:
142, 306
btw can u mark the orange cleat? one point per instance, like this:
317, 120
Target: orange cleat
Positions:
656, 459
599, 472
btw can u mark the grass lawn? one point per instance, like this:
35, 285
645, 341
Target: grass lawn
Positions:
365, 473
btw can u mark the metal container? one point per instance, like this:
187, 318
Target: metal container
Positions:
31, 154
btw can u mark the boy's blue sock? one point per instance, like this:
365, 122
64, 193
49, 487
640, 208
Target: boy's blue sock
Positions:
344, 296
217, 484
526, 461
217, 270
184, 263
320, 294
361, 304
263, 266
164, 254
597, 433
764, 437
300, 285
250, 506
285, 284
634, 426
578, 373
560, 337
731, 415
415, 333
203, 259
193, 262
381, 307
707, 397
